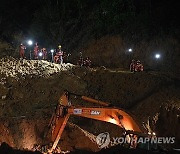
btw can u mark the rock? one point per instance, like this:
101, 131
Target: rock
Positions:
3, 97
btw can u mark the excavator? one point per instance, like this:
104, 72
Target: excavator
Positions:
103, 112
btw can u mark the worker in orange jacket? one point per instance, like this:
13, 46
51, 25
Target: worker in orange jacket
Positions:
44, 51
139, 67
58, 58
133, 65
36, 50
87, 62
22, 51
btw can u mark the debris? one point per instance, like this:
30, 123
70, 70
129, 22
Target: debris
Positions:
20, 68
3, 97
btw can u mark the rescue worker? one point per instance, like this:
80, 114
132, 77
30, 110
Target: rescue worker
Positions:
67, 58
81, 60
132, 65
44, 51
22, 51
64, 57
58, 58
36, 50
139, 67
60, 54
87, 62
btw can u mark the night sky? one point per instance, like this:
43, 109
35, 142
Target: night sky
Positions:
18, 13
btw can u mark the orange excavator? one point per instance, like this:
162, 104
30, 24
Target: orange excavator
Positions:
103, 112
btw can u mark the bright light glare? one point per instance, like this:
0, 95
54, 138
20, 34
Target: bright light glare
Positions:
30, 42
157, 56
112, 120
154, 133
40, 54
52, 50
130, 50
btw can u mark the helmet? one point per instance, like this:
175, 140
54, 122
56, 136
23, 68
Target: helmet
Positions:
138, 61
59, 46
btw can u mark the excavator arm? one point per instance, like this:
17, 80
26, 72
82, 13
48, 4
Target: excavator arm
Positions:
112, 115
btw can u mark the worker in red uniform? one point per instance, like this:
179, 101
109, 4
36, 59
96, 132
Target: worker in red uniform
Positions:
139, 67
22, 51
58, 58
64, 57
81, 60
36, 50
87, 62
132, 65
44, 51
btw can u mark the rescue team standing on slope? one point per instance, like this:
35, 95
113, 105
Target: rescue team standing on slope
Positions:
135, 66
58, 56
39, 54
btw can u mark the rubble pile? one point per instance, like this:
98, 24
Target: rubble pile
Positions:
20, 68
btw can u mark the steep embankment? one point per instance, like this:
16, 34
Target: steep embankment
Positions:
112, 51
27, 101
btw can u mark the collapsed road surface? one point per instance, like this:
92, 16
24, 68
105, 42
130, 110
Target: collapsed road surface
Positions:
29, 92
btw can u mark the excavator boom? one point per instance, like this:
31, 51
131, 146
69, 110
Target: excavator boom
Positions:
112, 115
